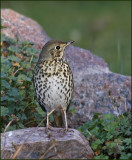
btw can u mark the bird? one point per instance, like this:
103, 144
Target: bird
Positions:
53, 79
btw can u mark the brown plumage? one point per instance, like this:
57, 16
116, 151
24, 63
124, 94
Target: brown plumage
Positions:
53, 80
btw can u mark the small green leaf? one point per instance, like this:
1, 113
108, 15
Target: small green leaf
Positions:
23, 77
122, 148
7, 98
25, 65
3, 75
13, 92
5, 84
108, 117
12, 107
125, 155
28, 65
14, 49
14, 58
96, 116
12, 78
21, 125
31, 51
34, 60
4, 60
95, 131
95, 144
23, 117
12, 128
24, 43
4, 111
22, 92
127, 141
101, 156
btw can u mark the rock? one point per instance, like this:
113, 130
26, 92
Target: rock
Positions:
93, 80
92, 95
22, 27
52, 145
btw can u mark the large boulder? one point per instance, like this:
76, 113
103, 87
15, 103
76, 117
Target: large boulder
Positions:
97, 89
19, 26
37, 143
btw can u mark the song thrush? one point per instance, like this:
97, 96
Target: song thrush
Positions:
53, 79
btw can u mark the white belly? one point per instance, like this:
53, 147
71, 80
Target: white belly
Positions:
55, 95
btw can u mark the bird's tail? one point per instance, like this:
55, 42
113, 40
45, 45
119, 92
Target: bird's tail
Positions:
59, 119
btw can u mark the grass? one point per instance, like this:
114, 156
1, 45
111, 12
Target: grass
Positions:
102, 27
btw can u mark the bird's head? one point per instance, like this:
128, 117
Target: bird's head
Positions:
53, 50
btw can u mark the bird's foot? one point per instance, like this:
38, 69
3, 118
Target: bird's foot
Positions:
49, 128
48, 131
69, 130
65, 130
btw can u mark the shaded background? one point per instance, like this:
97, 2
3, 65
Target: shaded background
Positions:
102, 27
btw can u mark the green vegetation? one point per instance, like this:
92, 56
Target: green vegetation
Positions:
109, 135
17, 92
104, 27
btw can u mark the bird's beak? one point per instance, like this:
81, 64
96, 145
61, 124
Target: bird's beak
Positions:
68, 43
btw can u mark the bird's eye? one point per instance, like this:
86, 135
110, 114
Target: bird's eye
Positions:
58, 47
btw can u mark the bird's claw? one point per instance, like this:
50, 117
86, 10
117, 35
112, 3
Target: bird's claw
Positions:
65, 130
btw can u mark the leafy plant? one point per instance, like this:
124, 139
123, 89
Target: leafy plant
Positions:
17, 92
109, 135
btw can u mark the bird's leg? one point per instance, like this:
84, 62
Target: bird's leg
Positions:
66, 126
65, 118
47, 120
48, 127
48, 114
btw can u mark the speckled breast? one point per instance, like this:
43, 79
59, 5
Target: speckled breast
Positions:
53, 83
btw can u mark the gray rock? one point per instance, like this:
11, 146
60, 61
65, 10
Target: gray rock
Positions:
92, 95
54, 144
